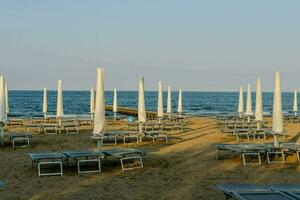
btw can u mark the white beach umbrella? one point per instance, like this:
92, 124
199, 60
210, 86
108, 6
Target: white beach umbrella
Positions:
169, 101
241, 102
160, 109
141, 105
115, 103
6, 98
179, 108
45, 103
92, 101
3, 114
277, 121
295, 107
258, 104
249, 102
59, 105
99, 118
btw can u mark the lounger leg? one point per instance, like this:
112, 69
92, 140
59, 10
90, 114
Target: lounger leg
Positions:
217, 156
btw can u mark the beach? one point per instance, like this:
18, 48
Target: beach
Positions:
183, 168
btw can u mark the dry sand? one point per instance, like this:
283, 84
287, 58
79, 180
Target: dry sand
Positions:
185, 168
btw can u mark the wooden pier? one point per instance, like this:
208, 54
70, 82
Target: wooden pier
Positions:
131, 111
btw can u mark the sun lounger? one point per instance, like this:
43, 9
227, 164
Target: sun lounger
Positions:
289, 189
71, 127
125, 155
84, 157
156, 134
33, 127
51, 159
291, 148
247, 151
115, 135
24, 137
50, 128
251, 192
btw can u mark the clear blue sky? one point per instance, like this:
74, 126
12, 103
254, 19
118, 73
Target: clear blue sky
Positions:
195, 45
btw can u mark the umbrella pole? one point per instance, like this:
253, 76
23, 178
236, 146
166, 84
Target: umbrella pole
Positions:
276, 141
1, 135
258, 125
115, 116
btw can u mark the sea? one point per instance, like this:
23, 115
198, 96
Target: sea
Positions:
76, 103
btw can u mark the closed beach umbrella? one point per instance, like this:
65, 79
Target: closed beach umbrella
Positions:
295, 107
277, 120
258, 104
241, 102
6, 98
92, 101
169, 101
249, 102
45, 103
115, 103
99, 118
59, 105
3, 115
160, 109
141, 105
179, 109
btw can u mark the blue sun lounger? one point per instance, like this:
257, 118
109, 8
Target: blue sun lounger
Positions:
289, 189
50, 159
125, 155
84, 157
23, 137
251, 192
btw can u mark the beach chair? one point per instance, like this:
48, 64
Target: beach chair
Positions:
155, 135
50, 128
115, 135
292, 190
251, 192
291, 148
125, 155
50, 160
247, 151
83, 158
71, 127
23, 137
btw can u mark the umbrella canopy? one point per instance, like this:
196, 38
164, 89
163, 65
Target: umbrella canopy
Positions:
92, 100
6, 98
179, 109
169, 100
99, 118
258, 104
3, 115
115, 101
277, 122
241, 101
249, 102
141, 101
45, 101
59, 105
160, 109
295, 107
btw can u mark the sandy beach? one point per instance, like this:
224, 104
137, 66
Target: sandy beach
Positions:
184, 168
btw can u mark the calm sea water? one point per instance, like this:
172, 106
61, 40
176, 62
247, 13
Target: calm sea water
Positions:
29, 103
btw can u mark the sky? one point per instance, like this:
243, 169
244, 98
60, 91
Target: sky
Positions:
214, 45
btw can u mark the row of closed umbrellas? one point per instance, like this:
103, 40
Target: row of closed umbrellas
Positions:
277, 117
97, 108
